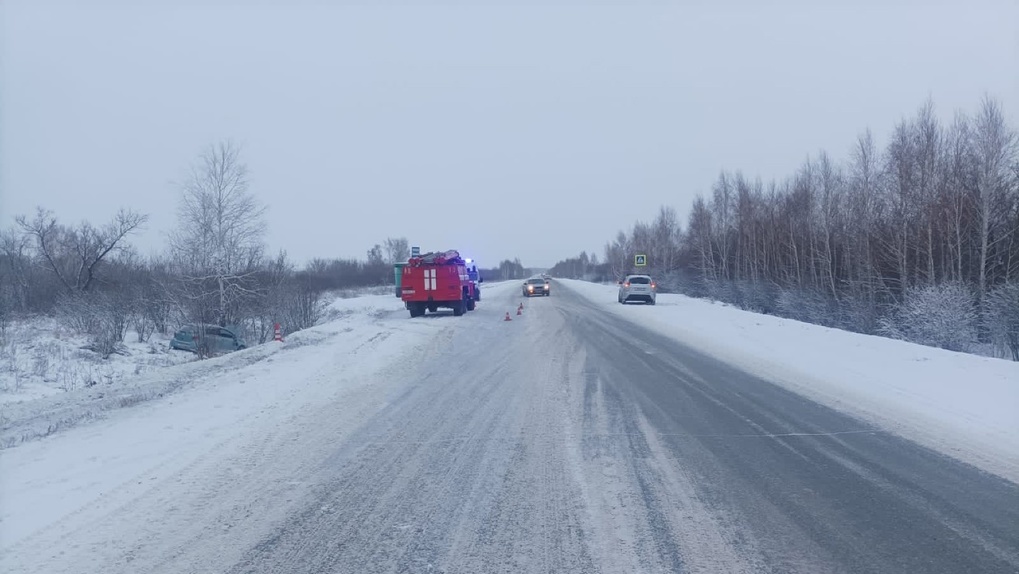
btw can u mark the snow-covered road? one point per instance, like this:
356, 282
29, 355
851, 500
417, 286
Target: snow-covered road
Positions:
963, 405
566, 440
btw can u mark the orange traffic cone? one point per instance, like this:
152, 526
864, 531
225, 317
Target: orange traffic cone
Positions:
520, 310
507, 317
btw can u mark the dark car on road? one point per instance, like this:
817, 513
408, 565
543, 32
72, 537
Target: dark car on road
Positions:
536, 286
206, 340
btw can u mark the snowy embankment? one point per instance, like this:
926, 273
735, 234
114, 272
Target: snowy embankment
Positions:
70, 480
963, 405
50, 381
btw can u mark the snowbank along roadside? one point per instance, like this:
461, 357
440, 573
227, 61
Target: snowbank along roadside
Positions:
49, 383
67, 480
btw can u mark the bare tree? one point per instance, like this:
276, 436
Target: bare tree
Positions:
699, 232
218, 241
864, 183
959, 178
375, 256
995, 148
929, 141
617, 255
15, 273
666, 234
76, 254
397, 249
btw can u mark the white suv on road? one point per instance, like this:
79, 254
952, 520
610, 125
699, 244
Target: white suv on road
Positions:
638, 288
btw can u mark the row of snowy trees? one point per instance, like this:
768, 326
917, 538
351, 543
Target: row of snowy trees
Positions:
216, 268
583, 266
918, 240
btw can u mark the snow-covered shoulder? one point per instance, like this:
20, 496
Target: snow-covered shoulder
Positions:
216, 401
49, 381
962, 405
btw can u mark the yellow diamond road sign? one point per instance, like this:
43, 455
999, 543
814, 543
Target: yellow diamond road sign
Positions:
640, 260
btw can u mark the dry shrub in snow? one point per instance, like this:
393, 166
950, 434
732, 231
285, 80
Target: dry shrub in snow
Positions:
942, 316
98, 316
805, 305
5, 309
1002, 318
143, 326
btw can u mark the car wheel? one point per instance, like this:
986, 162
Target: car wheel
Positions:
651, 302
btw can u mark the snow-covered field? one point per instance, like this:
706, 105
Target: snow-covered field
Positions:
50, 381
962, 405
40, 358
200, 412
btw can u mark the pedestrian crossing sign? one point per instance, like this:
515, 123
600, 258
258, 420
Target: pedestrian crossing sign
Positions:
640, 260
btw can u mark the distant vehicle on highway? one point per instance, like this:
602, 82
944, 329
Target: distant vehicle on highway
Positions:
206, 340
536, 286
638, 288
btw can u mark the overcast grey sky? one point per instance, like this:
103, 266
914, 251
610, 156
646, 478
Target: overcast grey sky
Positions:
528, 131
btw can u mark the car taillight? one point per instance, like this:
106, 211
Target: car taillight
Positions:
627, 284
652, 285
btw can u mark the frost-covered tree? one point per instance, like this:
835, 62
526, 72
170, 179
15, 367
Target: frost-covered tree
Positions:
936, 315
218, 242
841, 242
1002, 317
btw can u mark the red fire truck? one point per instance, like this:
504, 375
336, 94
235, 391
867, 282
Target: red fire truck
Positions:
435, 280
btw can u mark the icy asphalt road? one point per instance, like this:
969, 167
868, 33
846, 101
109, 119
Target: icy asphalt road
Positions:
566, 441
563, 441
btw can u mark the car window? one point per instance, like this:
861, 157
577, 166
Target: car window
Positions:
639, 280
